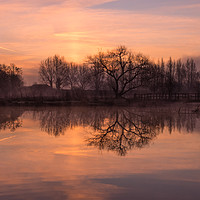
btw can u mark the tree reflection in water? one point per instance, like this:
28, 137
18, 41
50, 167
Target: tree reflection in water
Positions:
115, 129
112, 129
10, 118
122, 131
55, 121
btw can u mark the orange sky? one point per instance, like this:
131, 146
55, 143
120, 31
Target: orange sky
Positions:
34, 30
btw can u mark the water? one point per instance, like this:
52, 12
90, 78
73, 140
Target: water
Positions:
99, 153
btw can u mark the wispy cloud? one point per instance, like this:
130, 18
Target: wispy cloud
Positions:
144, 4
33, 30
6, 49
169, 7
72, 35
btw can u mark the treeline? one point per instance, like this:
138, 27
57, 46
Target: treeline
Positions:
10, 79
122, 72
175, 76
118, 72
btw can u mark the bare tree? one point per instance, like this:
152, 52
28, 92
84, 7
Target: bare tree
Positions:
97, 74
170, 77
79, 76
191, 74
53, 71
46, 72
72, 75
124, 69
84, 77
60, 71
10, 79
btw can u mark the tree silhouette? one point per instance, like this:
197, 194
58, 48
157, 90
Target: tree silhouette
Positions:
46, 72
124, 70
98, 77
54, 71
10, 80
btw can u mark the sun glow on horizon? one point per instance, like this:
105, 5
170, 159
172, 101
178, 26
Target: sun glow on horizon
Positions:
34, 30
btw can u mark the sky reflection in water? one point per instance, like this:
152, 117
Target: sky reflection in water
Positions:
99, 153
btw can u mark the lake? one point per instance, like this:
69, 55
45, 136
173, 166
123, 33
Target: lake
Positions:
100, 153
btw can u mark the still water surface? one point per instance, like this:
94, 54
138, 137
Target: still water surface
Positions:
99, 153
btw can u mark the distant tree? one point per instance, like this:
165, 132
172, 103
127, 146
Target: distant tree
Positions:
46, 71
170, 80
162, 75
84, 77
188, 73
60, 71
192, 73
155, 83
125, 70
15, 76
10, 79
79, 76
54, 71
178, 74
72, 75
4, 77
97, 74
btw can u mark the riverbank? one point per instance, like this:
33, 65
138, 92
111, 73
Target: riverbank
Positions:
104, 102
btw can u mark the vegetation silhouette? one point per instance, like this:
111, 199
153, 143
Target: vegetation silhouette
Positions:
53, 71
11, 80
124, 70
118, 76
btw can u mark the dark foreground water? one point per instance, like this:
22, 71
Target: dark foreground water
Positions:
100, 153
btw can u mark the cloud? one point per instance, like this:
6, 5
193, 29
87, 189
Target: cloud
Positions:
75, 29
144, 4
33, 2
6, 49
169, 7
52, 3
72, 35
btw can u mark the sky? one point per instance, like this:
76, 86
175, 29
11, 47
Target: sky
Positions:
32, 30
